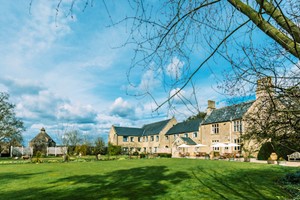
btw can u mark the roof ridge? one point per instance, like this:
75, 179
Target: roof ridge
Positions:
246, 102
156, 122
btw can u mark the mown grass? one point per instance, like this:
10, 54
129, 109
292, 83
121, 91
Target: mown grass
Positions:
142, 179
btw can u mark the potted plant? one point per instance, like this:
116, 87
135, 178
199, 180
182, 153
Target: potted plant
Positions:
207, 157
247, 158
231, 157
281, 161
270, 161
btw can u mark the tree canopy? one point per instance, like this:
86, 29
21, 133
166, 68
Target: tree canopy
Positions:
10, 126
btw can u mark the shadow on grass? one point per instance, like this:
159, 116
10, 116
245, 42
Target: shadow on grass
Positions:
248, 184
136, 183
8, 177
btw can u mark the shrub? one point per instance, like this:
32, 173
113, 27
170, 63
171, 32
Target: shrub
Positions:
265, 151
291, 183
142, 155
267, 148
165, 155
38, 156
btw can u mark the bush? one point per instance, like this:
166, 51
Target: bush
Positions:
142, 155
291, 183
165, 155
265, 151
38, 156
267, 148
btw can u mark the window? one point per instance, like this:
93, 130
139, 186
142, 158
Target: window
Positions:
186, 135
125, 138
151, 138
155, 149
145, 149
131, 139
215, 128
237, 126
175, 136
215, 148
195, 134
157, 138
237, 141
167, 137
146, 138
140, 139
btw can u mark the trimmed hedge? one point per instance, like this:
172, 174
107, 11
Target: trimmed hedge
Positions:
165, 155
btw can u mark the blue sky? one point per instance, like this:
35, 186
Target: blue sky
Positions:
63, 72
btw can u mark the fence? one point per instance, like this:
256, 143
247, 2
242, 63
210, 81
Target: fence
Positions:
21, 151
56, 150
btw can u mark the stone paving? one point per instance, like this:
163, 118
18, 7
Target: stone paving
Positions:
288, 164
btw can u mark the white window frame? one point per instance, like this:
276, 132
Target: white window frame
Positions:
237, 126
157, 138
151, 138
237, 141
215, 148
195, 134
215, 128
125, 138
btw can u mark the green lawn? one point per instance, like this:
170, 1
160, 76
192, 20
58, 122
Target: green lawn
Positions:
142, 179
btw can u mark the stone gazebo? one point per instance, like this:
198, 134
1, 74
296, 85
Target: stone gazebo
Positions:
41, 141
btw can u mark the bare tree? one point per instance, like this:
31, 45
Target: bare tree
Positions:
255, 38
71, 139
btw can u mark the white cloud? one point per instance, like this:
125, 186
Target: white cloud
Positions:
179, 95
40, 31
174, 69
149, 81
76, 113
122, 108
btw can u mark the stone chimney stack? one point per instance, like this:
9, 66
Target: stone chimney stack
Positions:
211, 105
265, 87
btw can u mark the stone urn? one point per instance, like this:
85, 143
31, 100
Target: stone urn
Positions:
273, 156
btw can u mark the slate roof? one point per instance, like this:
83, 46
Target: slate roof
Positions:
128, 131
155, 128
188, 141
228, 113
148, 129
42, 137
185, 127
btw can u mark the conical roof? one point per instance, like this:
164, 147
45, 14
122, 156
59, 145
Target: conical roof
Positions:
42, 136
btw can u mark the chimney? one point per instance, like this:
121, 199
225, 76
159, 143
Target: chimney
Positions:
264, 87
211, 105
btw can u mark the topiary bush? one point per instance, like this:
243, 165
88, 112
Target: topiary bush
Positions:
265, 151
